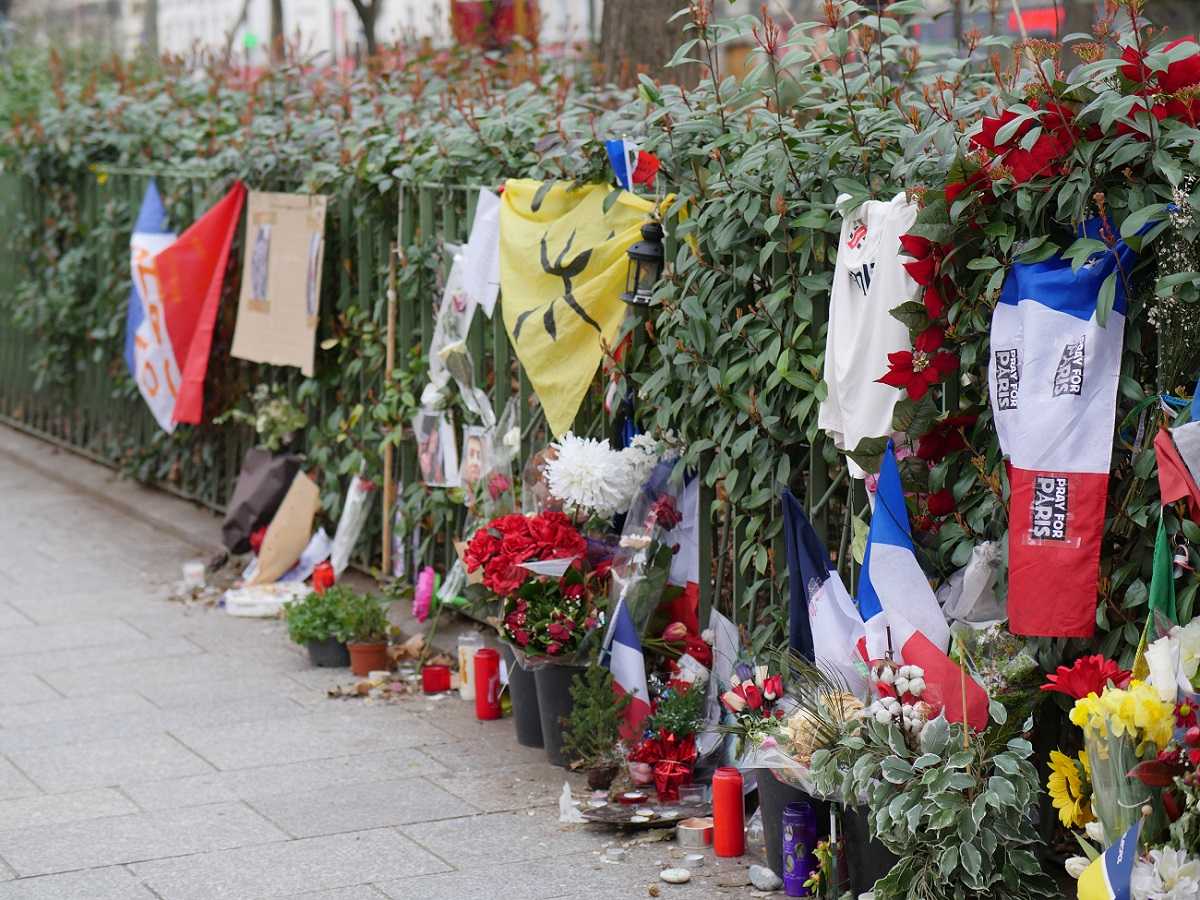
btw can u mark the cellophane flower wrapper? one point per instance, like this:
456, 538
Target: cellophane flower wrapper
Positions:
1117, 799
496, 494
770, 755
642, 563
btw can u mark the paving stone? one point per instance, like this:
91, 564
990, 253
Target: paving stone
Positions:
354, 807
361, 892
283, 870
154, 721
54, 809
475, 842
69, 709
484, 758
53, 638
504, 789
199, 694
270, 781
109, 762
122, 839
94, 884
90, 657
324, 734
129, 676
11, 617
56, 604
13, 782
25, 689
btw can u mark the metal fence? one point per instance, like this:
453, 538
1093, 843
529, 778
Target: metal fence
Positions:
98, 411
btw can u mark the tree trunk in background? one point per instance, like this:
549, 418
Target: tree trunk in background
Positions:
149, 27
1182, 17
368, 15
277, 36
636, 37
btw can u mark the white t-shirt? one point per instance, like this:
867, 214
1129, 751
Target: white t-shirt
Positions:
869, 280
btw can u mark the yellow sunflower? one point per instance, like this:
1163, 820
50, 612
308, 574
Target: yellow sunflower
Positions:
1070, 789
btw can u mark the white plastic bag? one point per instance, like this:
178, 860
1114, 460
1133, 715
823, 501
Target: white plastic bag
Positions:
350, 525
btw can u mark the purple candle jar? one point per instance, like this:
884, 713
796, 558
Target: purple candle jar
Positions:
799, 844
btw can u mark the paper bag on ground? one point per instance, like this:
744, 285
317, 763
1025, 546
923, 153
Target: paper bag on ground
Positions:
281, 280
290, 530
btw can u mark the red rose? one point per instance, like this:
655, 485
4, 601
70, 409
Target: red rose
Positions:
941, 503
521, 636
773, 687
554, 648
754, 696
665, 513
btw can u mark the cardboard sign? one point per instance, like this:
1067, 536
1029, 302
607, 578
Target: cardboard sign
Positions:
289, 532
281, 280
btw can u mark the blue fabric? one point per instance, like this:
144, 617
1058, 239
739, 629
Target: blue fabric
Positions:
620, 157
808, 565
1052, 283
889, 525
152, 219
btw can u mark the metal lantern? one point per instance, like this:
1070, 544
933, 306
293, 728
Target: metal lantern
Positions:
645, 266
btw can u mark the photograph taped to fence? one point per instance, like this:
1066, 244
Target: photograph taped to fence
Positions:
437, 453
281, 280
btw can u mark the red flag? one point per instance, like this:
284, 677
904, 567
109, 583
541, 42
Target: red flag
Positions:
946, 682
191, 273
1175, 481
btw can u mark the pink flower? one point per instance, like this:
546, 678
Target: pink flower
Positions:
423, 595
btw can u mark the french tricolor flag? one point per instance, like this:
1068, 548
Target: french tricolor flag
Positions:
901, 611
622, 655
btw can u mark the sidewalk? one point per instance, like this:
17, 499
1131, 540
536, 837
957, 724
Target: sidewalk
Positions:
148, 749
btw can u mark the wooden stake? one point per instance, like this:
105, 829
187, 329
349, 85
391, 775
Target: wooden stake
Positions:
389, 366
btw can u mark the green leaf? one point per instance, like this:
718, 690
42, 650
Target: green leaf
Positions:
1138, 219
1105, 299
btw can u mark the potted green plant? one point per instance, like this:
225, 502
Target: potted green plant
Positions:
593, 727
367, 629
318, 622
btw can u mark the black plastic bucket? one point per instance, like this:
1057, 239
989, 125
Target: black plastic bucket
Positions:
867, 860
522, 690
554, 705
773, 796
328, 654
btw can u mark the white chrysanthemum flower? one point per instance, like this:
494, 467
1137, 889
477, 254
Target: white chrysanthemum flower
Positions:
1168, 875
641, 456
589, 475
1095, 831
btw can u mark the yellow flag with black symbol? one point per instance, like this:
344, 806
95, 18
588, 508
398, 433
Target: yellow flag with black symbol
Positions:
562, 272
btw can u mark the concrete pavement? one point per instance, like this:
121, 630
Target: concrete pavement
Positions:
154, 750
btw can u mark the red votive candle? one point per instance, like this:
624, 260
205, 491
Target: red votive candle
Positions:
435, 679
487, 684
729, 813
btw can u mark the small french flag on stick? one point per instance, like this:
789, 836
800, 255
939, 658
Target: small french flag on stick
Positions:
901, 612
622, 655
631, 165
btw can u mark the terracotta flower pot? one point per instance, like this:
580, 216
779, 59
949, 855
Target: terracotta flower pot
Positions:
368, 658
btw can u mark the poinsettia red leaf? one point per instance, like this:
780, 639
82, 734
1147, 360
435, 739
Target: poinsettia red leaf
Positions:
945, 362
930, 339
935, 305
1153, 773
1135, 67
918, 388
1184, 72
922, 271
916, 246
1172, 805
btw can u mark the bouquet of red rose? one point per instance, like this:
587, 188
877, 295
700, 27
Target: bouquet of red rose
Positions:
539, 567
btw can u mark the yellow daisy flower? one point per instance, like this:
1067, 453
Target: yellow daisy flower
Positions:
1069, 790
